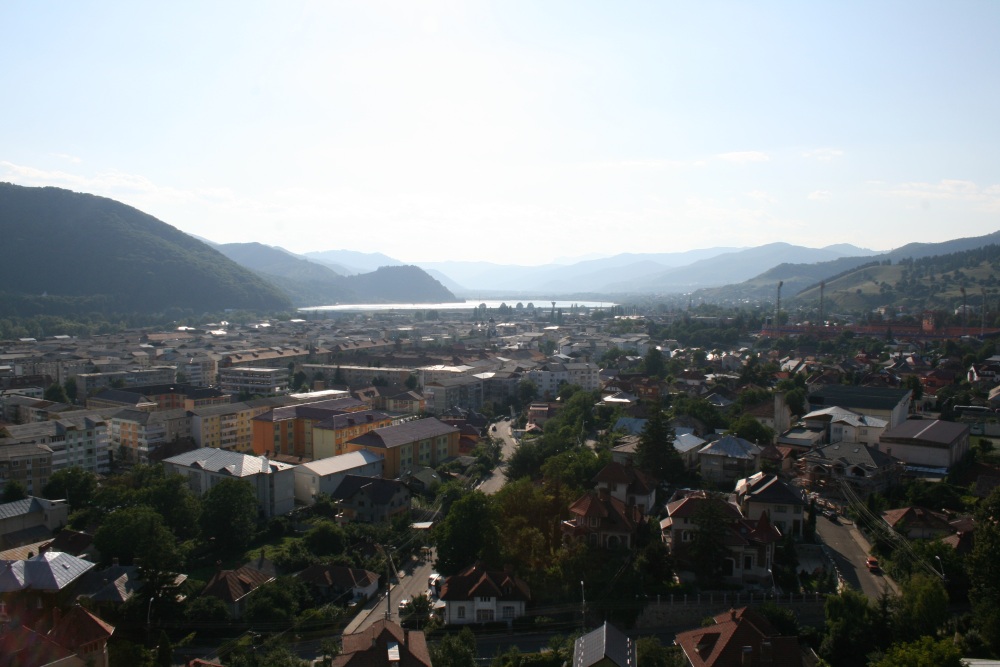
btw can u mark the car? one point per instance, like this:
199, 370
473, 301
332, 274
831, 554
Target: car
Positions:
831, 515
404, 607
872, 563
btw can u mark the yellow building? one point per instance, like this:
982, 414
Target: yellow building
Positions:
405, 447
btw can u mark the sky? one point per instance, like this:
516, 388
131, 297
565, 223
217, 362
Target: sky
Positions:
514, 132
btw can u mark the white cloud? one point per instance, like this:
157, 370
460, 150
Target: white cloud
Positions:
741, 157
819, 195
762, 197
986, 198
67, 157
823, 154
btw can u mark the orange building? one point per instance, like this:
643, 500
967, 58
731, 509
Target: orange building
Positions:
289, 430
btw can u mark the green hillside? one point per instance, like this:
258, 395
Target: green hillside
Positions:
70, 253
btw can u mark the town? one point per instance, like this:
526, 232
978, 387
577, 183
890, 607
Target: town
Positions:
568, 484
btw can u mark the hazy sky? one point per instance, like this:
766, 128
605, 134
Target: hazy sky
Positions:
517, 132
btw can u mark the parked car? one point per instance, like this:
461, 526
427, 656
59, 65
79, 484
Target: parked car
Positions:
831, 515
872, 564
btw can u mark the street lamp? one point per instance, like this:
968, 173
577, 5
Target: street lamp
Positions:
583, 607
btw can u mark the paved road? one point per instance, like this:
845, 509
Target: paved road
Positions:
497, 478
849, 549
412, 581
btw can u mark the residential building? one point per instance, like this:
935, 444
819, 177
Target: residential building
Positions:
273, 482
750, 542
767, 494
864, 469
424, 442
77, 440
370, 499
406, 403
479, 595
629, 485
463, 391
31, 520
607, 646
919, 523
728, 459
739, 638
234, 587
88, 383
892, 405
254, 381
600, 519
29, 464
136, 435
228, 426
331, 435
927, 443
842, 425
338, 583
323, 476
384, 644
289, 429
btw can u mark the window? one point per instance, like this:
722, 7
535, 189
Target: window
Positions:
461, 612
781, 509
748, 562
508, 611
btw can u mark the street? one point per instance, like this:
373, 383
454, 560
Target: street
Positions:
849, 549
497, 479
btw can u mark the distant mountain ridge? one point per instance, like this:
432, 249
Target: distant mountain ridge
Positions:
314, 284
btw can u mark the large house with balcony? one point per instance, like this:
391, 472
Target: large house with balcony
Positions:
865, 470
600, 519
750, 542
478, 595
768, 494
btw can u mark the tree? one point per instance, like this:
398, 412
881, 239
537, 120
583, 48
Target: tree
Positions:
55, 393
455, 650
467, 534
750, 429
71, 389
656, 367
983, 566
922, 608
708, 551
75, 485
229, 513
795, 399
527, 391
655, 453
139, 533
325, 538
277, 602
924, 652
206, 611
13, 490
853, 629
412, 382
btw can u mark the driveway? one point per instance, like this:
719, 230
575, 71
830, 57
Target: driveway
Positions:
497, 478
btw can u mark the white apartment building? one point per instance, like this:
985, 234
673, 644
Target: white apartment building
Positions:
262, 381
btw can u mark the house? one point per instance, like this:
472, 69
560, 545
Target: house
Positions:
370, 500
83, 633
864, 469
918, 523
233, 587
384, 644
478, 595
607, 646
338, 583
325, 475
767, 494
30, 520
273, 482
927, 443
750, 542
601, 519
727, 459
688, 445
843, 425
627, 484
739, 638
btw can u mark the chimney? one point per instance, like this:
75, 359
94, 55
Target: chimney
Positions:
114, 561
732, 614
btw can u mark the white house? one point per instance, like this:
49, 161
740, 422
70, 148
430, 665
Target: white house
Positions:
325, 475
478, 595
273, 482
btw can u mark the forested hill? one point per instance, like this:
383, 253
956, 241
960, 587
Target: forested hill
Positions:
69, 253
313, 284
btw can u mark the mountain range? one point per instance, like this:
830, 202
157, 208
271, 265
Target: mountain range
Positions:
76, 253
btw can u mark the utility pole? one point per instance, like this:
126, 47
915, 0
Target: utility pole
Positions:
583, 607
